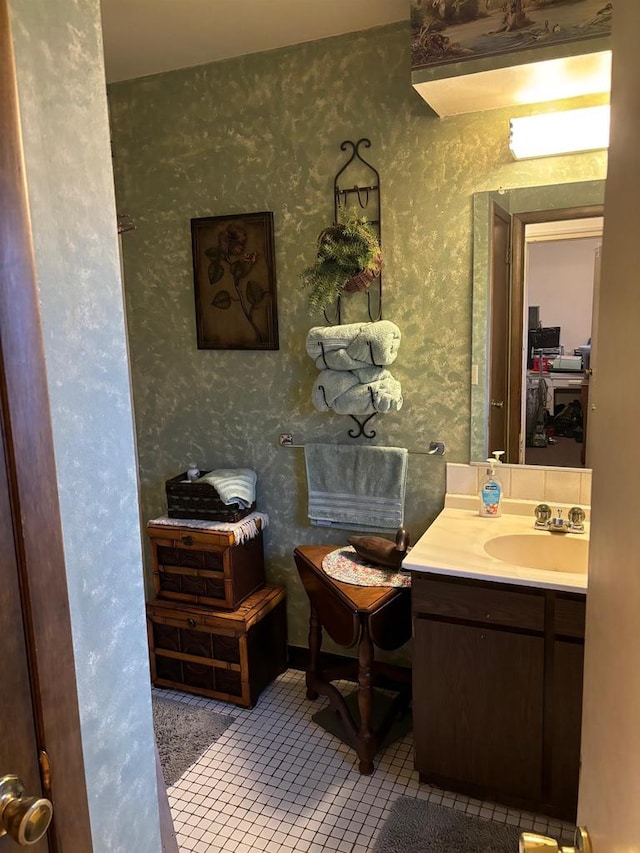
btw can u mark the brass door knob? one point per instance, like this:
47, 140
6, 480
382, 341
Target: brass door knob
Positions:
25, 819
531, 842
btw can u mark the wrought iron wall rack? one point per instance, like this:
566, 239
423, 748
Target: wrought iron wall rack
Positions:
367, 197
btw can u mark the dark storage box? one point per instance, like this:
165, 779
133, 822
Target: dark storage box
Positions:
205, 567
229, 656
200, 501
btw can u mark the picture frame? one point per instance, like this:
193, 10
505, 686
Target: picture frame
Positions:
453, 31
235, 282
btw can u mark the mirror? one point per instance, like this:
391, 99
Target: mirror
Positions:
494, 214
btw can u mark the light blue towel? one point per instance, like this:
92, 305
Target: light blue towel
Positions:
355, 487
234, 485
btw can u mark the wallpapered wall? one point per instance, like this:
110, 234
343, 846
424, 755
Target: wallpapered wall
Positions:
262, 132
59, 64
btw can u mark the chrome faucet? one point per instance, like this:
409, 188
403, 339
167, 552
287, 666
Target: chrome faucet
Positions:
543, 515
557, 524
576, 519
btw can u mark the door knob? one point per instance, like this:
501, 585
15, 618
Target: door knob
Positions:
25, 819
531, 842
497, 404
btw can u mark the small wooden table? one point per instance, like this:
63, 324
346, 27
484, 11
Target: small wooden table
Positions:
368, 616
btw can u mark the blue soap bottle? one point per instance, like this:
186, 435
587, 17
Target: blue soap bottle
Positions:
491, 489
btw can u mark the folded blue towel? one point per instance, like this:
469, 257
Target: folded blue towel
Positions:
355, 487
234, 485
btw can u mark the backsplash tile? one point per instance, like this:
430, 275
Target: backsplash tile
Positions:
525, 482
505, 473
462, 479
528, 484
563, 486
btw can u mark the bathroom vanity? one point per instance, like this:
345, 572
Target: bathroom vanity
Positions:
498, 658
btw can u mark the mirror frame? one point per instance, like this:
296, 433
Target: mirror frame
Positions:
519, 200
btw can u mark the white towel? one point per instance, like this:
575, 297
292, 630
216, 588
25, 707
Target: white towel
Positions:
234, 485
357, 392
353, 345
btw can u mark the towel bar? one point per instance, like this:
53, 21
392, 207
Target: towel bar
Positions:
436, 448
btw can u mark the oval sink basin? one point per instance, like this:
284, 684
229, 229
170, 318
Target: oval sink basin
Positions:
550, 552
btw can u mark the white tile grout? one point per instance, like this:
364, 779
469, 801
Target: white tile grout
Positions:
276, 782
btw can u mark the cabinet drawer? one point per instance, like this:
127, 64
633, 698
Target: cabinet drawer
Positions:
199, 558
455, 600
184, 538
569, 617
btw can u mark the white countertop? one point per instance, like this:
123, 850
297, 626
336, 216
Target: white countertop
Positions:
454, 545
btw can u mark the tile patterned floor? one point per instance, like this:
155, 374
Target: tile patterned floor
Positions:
275, 781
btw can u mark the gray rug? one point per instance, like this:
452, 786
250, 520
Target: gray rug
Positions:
415, 826
183, 733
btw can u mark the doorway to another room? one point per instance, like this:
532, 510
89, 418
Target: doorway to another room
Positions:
561, 263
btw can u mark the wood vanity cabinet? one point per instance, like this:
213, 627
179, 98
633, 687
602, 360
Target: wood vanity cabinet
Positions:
497, 691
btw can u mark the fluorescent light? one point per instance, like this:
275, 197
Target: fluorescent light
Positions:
560, 133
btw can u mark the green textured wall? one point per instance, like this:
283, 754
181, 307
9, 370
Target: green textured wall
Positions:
262, 132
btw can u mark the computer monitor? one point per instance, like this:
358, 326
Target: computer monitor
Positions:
545, 338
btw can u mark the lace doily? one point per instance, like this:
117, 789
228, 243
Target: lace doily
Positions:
345, 565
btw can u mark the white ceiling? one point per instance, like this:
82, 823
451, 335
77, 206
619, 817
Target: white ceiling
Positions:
143, 37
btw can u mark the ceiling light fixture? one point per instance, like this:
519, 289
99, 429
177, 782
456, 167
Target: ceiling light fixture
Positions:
567, 132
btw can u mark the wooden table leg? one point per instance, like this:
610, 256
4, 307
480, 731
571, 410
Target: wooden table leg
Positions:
366, 741
315, 644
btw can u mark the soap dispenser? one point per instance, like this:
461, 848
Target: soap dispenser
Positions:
491, 489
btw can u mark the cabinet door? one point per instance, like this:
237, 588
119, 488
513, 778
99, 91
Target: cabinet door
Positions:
478, 707
566, 720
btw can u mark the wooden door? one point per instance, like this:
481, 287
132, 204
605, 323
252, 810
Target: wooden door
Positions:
18, 741
38, 694
590, 377
499, 277
609, 799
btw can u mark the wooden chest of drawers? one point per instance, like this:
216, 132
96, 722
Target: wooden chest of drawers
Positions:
223, 655
204, 567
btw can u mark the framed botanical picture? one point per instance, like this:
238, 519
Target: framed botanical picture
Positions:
235, 281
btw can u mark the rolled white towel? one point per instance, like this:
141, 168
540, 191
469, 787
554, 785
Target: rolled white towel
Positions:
376, 343
330, 385
353, 345
234, 485
377, 391
357, 392
331, 337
